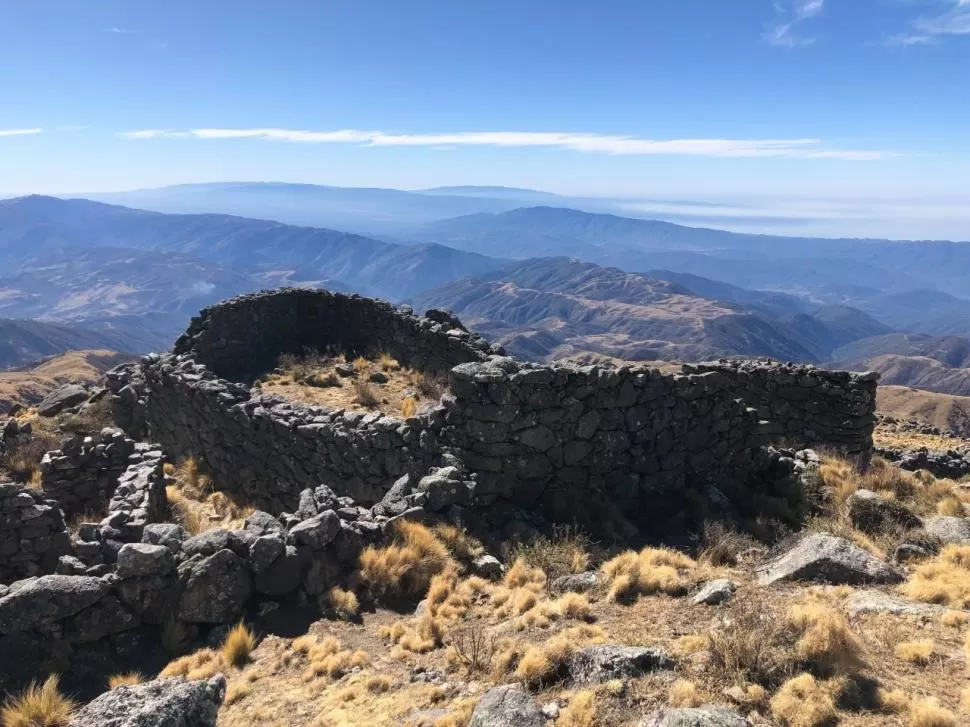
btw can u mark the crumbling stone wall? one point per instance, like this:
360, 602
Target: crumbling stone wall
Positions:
804, 405
82, 475
242, 338
32, 533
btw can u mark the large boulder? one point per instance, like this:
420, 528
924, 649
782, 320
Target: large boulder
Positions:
144, 559
170, 535
507, 706
318, 531
871, 513
160, 703
61, 398
38, 601
694, 717
603, 662
949, 529
829, 559
214, 588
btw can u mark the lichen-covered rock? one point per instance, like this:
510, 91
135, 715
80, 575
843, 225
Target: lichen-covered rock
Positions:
872, 601
143, 559
694, 717
577, 582
62, 398
214, 588
871, 513
159, 703
949, 529
603, 662
827, 558
45, 600
714, 592
318, 531
171, 535
507, 706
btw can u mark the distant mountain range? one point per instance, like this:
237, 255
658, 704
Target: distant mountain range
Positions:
29, 384
933, 363
26, 342
629, 288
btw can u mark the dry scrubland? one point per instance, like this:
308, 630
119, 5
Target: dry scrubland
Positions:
30, 385
789, 655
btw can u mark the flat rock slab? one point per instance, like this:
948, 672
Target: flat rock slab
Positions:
949, 529
604, 662
61, 398
37, 601
694, 717
159, 703
507, 706
878, 602
826, 558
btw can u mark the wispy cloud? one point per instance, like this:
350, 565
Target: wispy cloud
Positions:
20, 132
952, 18
789, 15
593, 143
119, 31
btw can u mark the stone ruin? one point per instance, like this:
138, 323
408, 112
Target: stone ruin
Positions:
510, 446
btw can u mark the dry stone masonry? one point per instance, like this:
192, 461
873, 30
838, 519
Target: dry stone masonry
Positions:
32, 533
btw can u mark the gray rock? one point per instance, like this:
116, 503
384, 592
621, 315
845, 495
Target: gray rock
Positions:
264, 551
714, 592
577, 582
871, 513
906, 552
507, 706
443, 489
38, 601
604, 662
871, 601
949, 529
214, 588
144, 559
378, 377
159, 703
262, 523
61, 398
824, 557
487, 566
694, 717
283, 575
170, 535
317, 532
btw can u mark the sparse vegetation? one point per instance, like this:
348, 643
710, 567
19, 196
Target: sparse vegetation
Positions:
125, 680
945, 579
238, 645
407, 565
39, 705
566, 551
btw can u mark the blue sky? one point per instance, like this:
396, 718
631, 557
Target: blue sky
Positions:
800, 99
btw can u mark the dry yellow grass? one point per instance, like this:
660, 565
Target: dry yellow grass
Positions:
928, 713
580, 712
202, 664
459, 543
344, 603
565, 551
39, 705
407, 565
945, 579
955, 619
825, 641
652, 570
238, 645
803, 702
918, 652
128, 679
684, 693
409, 407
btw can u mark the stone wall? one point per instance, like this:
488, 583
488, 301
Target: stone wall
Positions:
242, 338
83, 474
32, 533
802, 405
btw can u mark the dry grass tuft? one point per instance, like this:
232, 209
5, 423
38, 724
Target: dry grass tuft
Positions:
804, 702
684, 693
652, 570
722, 546
565, 552
343, 603
361, 364
406, 566
236, 691
825, 642
945, 579
39, 705
459, 543
125, 680
754, 645
951, 506
955, 619
202, 664
238, 645
919, 652
378, 684
409, 407
928, 713
894, 701
365, 395
387, 363
580, 712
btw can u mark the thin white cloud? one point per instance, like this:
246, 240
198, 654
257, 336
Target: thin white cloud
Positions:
20, 132
119, 31
789, 16
593, 143
954, 21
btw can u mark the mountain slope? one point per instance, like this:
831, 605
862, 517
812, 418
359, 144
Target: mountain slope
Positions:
25, 341
945, 411
29, 384
553, 307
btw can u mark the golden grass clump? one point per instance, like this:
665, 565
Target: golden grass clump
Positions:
544, 663
955, 619
523, 575
573, 605
183, 511
893, 701
409, 407
236, 691
945, 579
327, 657
378, 684
825, 641
919, 652
652, 570
238, 645
803, 702
684, 693
344, 603
39, 705
459, 543
580, 712
202, 664
364, 394
407, 565
361, 364
929, 713
387, 363
127, 679
951, 506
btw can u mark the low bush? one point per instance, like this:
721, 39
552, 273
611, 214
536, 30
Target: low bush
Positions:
39, 705
238, 645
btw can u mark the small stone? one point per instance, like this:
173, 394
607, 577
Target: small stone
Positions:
604, 662
487, 566
577, 582
714, 592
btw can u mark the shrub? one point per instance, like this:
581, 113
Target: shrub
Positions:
722, 546
23, 456
407, 565
580, 712
567, 551
684, 693
125, 680
918, 652
472, 647
803, 702
238, 645
39, 705
364, 394
928, 713
344, 603
754, 645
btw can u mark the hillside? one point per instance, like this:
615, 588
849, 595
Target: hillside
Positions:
555, 307
25, 341
939, 410
30, 384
